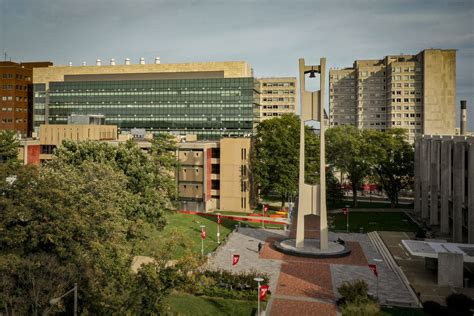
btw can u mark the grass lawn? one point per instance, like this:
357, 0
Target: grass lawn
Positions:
185, 229
400, 311
370, 221
185, 304
365, 204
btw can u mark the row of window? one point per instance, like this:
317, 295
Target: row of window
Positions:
278, 99
406, 92
281, 107
278, 92
17, 76
278, 84
406, 100
406, 69
5, 109
406, 115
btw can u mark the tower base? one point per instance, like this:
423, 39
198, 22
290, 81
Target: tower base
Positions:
311, 249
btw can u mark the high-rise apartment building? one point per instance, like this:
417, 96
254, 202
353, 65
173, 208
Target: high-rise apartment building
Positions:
277, 97
16, 95
414, 92
210, 100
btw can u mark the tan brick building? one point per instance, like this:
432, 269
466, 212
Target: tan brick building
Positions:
414, 92
277, 97
215, 175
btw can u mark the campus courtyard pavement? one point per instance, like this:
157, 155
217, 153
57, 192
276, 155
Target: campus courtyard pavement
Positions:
308, 286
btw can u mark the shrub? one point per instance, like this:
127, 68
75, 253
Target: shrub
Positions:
434, 309
459, 303
352, 292
360, 307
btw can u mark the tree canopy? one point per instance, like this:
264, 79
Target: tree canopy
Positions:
275, 159
77, 220
8, 146
394, 158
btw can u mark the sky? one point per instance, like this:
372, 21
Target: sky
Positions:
269, 34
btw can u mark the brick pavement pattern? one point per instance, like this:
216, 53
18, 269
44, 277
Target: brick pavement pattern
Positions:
307, 286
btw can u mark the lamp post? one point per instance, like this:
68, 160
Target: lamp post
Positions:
347, 218
56, 300
203, 235
258, 294
218, 227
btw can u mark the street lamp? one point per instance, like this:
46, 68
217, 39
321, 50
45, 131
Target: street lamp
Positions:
258, 280
203, 235
219, 218
56, 300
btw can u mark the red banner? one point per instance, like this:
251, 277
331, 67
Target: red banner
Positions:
219, 219
203, 234
373, 267
263, 292
345, 210
235, 259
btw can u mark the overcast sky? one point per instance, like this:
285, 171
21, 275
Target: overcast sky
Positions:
269, 34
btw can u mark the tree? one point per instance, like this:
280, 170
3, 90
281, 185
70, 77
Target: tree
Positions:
393, 164
77, 219
8, 146
149, 174
349, 151
275, 158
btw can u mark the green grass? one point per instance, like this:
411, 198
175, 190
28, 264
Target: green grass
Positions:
364, 204
370, 221
184, 229
185, 304
400, 311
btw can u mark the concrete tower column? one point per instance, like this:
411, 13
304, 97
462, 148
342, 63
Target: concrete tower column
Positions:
458, 189
312, 198
434, 181
445, 185
417, 183
425, 175
470, 194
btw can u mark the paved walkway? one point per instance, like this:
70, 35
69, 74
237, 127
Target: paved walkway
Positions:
307, 286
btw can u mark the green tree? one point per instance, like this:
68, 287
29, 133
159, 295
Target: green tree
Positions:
150, 175
8, 146
393, 164
349, 150
65, 224
275, 158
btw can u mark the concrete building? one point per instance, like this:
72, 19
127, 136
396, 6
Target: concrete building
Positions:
210, 100
215, 175
444, 185
51, 136
16, 88
211, 175
414, 92
277, 97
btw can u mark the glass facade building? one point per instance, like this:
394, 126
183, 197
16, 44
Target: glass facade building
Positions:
210, 108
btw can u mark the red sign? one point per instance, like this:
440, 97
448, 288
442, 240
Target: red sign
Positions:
203, 234
373, 267
219, 220
265, 208
235, 259
345, 210
263, 292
